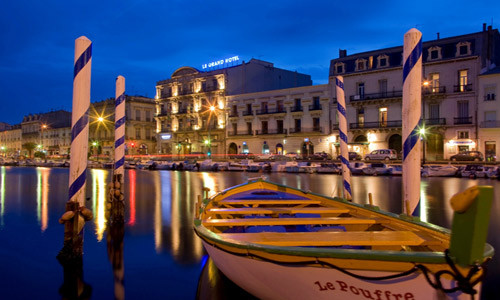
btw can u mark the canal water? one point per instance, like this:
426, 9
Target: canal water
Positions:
160, 256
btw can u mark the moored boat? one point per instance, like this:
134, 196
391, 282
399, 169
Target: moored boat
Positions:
278, 242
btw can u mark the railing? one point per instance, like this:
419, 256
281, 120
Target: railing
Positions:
270, 111
386, 124
299, 130
463, 120
271, 131
233, 133
463, 88
315, 107
296, 108
434, 90
490, 124
233, 114
436, 121
247, 113
373, 96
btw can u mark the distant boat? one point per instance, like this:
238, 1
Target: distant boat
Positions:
439, 171
376, 169
278, 242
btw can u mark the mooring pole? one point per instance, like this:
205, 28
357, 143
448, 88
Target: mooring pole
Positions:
344, 152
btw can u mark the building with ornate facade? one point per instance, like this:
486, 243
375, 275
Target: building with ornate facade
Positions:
452, 68
191, 105
11, 140
139, 126
280, 121
489, 114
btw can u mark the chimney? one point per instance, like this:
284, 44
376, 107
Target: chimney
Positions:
438, 35
342, 53
490, 28
484, 26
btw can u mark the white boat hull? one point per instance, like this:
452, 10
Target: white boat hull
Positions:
267, 280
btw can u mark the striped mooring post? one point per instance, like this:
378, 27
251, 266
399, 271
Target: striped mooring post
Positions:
116, 197
76, 214
344, 153
412, 93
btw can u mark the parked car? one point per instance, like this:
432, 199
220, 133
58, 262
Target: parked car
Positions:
293, 155
353, 156
468, 155
382, 154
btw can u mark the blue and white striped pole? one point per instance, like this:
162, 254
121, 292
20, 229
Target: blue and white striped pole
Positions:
412, 93
344, 154
80, 120
119, 127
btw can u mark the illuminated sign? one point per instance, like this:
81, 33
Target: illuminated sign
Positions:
220, 63
166, 136
461, 142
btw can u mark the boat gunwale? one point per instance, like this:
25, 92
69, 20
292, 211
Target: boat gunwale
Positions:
362, 254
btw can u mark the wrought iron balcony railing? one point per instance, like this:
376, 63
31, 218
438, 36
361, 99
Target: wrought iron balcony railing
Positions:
384, 124
462, 120
463, 88
374, 96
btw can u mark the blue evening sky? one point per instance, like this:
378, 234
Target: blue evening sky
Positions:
145, 41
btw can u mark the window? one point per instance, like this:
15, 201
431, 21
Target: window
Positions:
360, 87
360, 116
462, 80
138, 133
249, 109
339, 67
434, 53
263, 107
234, 112
298, 125
279, 105
148, 133
382, 87
316, 104
215, 84
235, 128
463, 109
316, 126
360, 64
382, 116
148, 116
279, 126
297, 103
489, 93
249, 128
434, 82
137, 115
434, 112
463, 134
383, 61
463, 48
264, 127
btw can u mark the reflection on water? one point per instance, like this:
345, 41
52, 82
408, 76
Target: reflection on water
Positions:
156, 241
98, 178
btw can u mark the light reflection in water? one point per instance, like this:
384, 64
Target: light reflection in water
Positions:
175, 212
209, 182
99, 201
42, 197
132, 182
423, 201
2, 194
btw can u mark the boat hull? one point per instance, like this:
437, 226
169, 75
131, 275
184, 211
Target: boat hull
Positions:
268, 280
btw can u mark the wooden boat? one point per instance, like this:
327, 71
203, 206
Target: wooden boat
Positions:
278, 242
439, 171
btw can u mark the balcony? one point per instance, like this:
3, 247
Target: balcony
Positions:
462, 120
306, 130
233, 114
271, 111
434, 90
490, 124
375, 96
314, 107
235, 133
247, 113
296, 108
462, 88
436, 121
387, 124
182, 111
271, 131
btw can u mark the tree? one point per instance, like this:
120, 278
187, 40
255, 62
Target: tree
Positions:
30, 146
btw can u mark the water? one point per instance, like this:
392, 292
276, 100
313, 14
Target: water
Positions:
162, 257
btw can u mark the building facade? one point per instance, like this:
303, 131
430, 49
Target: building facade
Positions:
139, 126
11, 141
191, 105
489, 114
450, 97
280, 121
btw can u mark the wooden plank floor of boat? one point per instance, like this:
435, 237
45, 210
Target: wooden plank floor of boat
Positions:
277, 210
291, 221
266, 201
338, 238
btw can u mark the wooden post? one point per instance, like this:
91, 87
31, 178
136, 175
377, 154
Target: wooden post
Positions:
370, 199
470, 224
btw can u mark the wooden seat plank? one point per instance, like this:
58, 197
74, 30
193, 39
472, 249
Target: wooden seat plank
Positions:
288, 221
277, 210
268, 201
357, 238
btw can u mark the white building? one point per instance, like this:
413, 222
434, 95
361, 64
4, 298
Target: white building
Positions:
451, 66
489, 113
